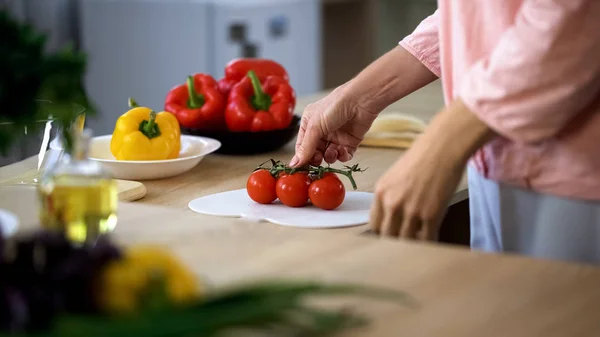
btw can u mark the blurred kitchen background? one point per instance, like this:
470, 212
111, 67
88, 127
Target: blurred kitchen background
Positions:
141, 48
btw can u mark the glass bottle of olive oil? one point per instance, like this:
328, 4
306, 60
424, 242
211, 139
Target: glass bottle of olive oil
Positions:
77, 196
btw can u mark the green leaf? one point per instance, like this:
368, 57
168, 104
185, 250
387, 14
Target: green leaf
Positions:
29, 75
274, 306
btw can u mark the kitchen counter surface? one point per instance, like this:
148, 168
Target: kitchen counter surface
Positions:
454, 292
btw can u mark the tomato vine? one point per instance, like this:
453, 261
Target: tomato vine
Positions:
277, 168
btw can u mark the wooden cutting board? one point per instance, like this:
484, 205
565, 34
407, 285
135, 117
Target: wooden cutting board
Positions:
130, 190
25, 172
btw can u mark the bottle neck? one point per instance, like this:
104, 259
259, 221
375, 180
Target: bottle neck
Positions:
80, 153
81, 146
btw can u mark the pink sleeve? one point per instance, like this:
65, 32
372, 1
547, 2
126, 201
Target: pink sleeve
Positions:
423, 43
544, 70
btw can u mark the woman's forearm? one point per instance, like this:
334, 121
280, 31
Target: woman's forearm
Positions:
388, 79
455, 133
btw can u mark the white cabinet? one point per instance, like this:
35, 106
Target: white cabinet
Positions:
288, 31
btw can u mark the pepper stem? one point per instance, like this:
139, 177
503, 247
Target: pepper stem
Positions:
132, 103
149, 127
260, 100
195, 100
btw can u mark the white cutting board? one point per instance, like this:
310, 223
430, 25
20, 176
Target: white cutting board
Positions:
354, 211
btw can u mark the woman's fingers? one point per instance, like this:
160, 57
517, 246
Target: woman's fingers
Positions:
319, 154
331, 154
336, 152
317, 158
387, 217
391, 214
343, 154
410, 227
376, 216
302, 130
319, 121
307, 147
392, 222
384, 219
429, 231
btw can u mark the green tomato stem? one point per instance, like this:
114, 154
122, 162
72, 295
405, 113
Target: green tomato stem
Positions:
348, 174
277, 167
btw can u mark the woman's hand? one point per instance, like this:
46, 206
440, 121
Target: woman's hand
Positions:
412, 196
331, 129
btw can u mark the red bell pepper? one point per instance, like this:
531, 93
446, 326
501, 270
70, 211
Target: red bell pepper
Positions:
237, 69
198, 104
255, 106
225, 86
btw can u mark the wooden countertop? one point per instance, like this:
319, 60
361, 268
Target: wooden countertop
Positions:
457, 292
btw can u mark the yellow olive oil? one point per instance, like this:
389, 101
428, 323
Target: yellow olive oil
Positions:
77, 197
82, 207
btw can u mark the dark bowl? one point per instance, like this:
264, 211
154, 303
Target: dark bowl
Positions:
249, 143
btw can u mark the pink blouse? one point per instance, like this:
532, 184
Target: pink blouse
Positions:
530, 69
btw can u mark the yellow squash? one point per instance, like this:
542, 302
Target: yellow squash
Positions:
142, 134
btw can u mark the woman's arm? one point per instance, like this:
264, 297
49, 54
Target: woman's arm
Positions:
401, 71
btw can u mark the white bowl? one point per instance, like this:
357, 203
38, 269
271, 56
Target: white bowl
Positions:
193, 149
9, 222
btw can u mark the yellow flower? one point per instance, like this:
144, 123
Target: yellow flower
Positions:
126, 284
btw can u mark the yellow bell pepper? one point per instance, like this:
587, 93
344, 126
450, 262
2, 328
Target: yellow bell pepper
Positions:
127, 284
142, 134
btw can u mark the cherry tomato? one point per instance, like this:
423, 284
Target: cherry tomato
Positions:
261, 187
327, 193
292, 189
